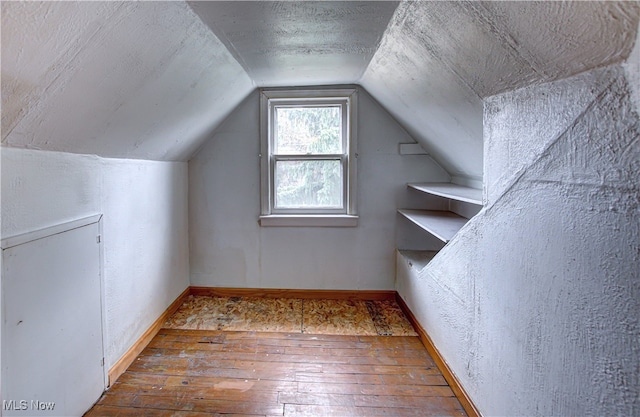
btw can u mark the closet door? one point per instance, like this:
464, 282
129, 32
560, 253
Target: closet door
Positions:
52, 352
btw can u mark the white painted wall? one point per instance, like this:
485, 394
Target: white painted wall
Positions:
536, 304
229, 248
145, 226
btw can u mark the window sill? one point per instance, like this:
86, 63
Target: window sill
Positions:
320, 220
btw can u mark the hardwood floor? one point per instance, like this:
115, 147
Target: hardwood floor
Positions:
192, 373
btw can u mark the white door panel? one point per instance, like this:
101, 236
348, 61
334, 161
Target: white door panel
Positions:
52, 324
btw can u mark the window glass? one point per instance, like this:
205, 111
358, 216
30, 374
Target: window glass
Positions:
308, 130
308, 157
311, 183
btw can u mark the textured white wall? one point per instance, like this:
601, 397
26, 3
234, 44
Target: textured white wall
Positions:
536, 303
229, 248
145, 226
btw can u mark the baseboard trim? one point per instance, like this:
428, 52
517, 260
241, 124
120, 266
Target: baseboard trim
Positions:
377, 295
130, 355
448, 374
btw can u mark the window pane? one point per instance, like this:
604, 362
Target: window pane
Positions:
308, 130
307, 184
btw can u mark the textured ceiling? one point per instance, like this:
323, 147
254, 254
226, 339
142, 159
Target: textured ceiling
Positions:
299, 43
151, 80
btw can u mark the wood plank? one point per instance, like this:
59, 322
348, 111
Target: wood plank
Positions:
111, 411
213, 406
207, 366
413, 379
229, 390
234, 383
375, 369
376, 389
213, 372
314, 343
396, 350
367, 356
350, 352
316, 398
443, 404
308, 410
338, 379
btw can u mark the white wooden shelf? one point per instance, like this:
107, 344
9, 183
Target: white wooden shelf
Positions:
442, 224
450, 190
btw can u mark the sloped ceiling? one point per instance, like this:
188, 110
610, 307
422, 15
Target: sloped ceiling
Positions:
438, 60
299, 43
141, 80
151, 80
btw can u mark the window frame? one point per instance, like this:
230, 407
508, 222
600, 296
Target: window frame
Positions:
270, 99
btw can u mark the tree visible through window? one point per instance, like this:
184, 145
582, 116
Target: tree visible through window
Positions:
309, 131
308, 152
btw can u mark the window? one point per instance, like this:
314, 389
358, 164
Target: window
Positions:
308, 157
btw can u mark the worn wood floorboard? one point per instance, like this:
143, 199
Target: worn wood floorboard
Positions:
193, 373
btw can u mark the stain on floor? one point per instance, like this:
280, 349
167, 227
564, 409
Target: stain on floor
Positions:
292, 315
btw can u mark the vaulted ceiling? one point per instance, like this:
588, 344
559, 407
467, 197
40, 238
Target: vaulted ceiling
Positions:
151, 80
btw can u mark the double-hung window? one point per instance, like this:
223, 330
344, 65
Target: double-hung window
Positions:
308, 157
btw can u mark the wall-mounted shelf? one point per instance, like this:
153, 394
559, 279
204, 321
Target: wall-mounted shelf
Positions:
442, 224
450, 190
445, 224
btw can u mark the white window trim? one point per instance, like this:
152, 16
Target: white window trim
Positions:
346, 217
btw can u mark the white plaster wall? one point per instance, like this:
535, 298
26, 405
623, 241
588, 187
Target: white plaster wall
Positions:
145, 226
229, 248
146, 245
536, 304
